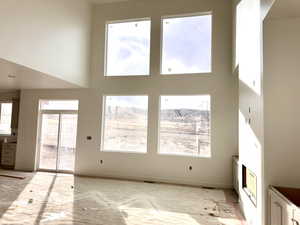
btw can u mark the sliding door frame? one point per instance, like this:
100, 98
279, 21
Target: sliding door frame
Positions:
39, 144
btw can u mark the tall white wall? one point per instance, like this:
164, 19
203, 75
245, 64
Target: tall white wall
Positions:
247, 63
50, 36
220, 84
281, 85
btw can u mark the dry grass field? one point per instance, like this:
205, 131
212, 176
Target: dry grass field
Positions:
183, 132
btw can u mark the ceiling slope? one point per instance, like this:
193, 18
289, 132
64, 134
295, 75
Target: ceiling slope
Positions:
284, 9
14, 76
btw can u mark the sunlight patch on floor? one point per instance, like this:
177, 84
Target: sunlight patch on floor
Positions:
67, 200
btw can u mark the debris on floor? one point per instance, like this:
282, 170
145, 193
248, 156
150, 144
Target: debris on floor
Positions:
49, 199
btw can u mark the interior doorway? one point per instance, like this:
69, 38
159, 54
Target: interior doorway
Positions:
57, 138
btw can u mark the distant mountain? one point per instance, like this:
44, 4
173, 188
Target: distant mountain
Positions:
167, 114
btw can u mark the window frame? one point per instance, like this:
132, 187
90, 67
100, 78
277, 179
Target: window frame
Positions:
107, 23
103, 120
159, 127
7, 132
208, 13
59, 100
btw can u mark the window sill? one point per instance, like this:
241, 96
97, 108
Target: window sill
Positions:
186, 74
184, 155
126, 76
4, 133
125, 152
159, 75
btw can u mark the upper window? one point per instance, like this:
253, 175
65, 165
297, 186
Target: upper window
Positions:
59, 104
5, 118
185, 125
128, 48
125, 124
186, 44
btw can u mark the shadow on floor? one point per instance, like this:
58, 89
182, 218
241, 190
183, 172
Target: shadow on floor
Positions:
11, 188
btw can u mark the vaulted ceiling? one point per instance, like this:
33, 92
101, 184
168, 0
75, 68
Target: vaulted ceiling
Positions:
14, 76
285, 9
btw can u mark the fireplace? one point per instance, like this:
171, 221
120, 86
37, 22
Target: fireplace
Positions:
249, 184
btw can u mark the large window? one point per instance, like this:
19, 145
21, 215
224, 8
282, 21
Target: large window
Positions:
5, 118
186, 44
128, 48
125, 124
185, 125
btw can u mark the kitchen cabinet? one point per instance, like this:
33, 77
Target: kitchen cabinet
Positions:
284, 206
8, 155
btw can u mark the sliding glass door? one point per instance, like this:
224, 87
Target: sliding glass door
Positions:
57, 141
67, 143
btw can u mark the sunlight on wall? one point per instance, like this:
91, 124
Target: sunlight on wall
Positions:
248, 44
249, 53
248, 140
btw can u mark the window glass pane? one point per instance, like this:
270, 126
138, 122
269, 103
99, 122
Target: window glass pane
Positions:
187, 45
125, 127
59, 104
185, 125
5, 118
128, 48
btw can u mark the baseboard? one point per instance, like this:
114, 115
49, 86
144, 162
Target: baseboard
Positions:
156, 180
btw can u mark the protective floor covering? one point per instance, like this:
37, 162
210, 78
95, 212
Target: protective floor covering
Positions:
43, 198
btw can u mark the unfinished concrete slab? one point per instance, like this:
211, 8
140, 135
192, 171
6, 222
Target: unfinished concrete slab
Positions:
44, 198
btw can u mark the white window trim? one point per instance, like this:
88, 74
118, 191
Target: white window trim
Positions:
184, 154
103, 120
106, 47
162, 35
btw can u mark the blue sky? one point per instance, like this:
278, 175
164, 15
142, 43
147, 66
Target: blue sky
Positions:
186, 46
128, 48
128, 101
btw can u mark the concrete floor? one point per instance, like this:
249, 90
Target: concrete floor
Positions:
44, 198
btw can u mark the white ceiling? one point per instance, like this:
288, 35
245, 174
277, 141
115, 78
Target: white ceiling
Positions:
285, 9
24, 78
